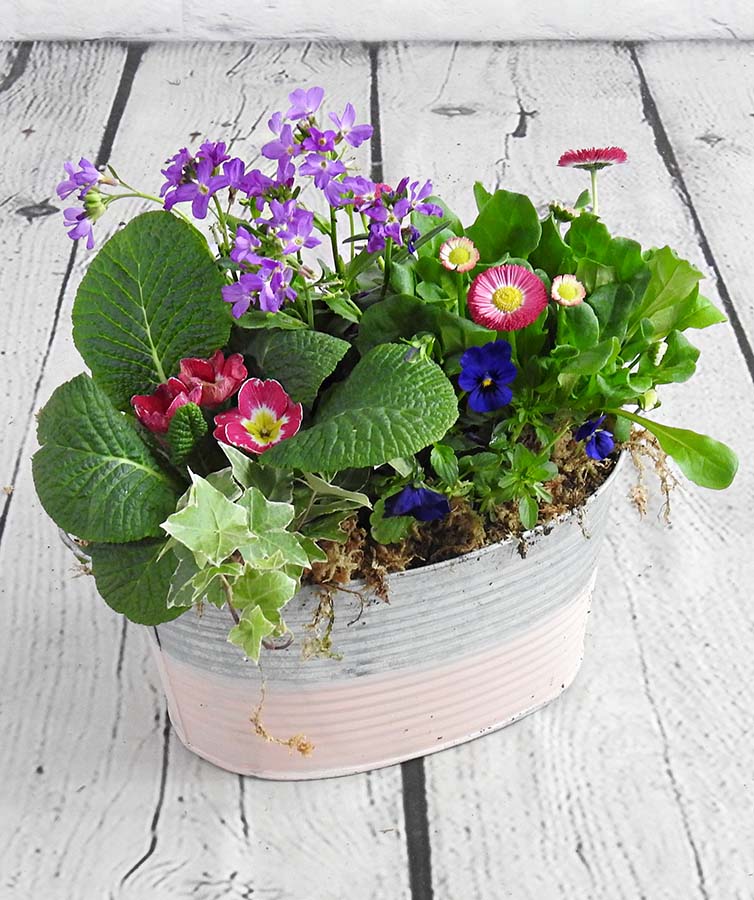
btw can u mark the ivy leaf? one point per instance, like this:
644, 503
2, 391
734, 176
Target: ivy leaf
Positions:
299, 360
187, 427
210, 525
270, 591
389, 406
256, 318
95, 476
151, 296
251, 629
702, 459
268, 543
134, 579
507, 223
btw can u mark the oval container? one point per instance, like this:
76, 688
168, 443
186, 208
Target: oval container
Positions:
463, 647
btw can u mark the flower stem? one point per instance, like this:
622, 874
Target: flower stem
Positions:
133, 193
388, 259
350, 222
223, 224
595, 205
337, 261
307, 297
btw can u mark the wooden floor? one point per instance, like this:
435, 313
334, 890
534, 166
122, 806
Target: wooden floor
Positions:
639, 781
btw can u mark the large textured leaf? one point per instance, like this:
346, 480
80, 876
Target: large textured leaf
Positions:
151, 296
299, 360
134, 579
94, 475
507, 223
391, 405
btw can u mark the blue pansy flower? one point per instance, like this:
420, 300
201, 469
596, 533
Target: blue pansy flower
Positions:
599, 441
421, 503
486, 373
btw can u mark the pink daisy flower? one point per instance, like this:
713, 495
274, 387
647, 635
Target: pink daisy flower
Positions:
506, 298
265, 416
593, 158
459, 254
567, 290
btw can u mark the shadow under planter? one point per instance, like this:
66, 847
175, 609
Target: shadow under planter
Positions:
464, 647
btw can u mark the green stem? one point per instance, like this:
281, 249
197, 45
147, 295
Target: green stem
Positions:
353, 231
223, 224
595, 206
307, 298
388, 257
337, 261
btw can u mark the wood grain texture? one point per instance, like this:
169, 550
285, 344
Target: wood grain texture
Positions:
126, 811
389, 20
647, 733
49, 115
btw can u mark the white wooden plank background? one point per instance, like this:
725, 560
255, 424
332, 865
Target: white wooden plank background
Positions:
362, 20
637, 783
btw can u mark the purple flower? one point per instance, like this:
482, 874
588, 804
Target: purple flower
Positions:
80, 224
235, 170
417, 195
319, 141
286, 172
275, 123
199, 192
410, 236
214, 152
486, 373
179, 170
421, 503
243, 247
284, 146
355, 135
298, 232
280, 213
81, 179
599, 441
276, 287
322, 168
376, 240
242, 293
304, 103
255, 183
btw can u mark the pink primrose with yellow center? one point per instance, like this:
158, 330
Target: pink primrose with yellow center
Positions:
265, 416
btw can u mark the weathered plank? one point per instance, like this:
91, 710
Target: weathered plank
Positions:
49, 114
151, 820
559, 804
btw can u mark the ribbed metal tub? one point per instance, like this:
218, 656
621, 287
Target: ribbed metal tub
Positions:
464, 647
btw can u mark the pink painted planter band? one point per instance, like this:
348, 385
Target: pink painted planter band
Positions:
463, 648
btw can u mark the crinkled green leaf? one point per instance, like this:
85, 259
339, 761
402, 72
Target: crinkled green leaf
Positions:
508, 223
134, 579
299, 360
151, 296
389, 406
95, 476
187, 427
210, 525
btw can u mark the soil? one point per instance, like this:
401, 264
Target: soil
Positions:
464, 530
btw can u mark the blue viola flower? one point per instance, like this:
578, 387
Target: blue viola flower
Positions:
486, 373
599, 441
421, 503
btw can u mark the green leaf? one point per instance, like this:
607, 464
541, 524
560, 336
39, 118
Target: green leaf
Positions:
151, 296
507, 223
552, 253
443, 460
324, 488
389, 406
299, 360
702, 459
268, 543
388, 529
699, 313
401, 316
481, 195
210, 525
187, 427
613, 305
528, 511
134, 579
252, 628
589, 239
270, 591
343, 306
671, 293
594, 360
224, 482
578, 326
95, 476
275, 484
256, 319
434, 231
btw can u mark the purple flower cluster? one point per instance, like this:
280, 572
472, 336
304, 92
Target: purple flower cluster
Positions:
269, 287
82, 180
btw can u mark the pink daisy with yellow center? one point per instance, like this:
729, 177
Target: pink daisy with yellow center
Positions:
459, 254
506, 298
265, 416
593, 157
567, 290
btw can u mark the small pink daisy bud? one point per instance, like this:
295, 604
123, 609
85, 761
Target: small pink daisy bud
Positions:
459, 253
593, 157
567, 290
506, 298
